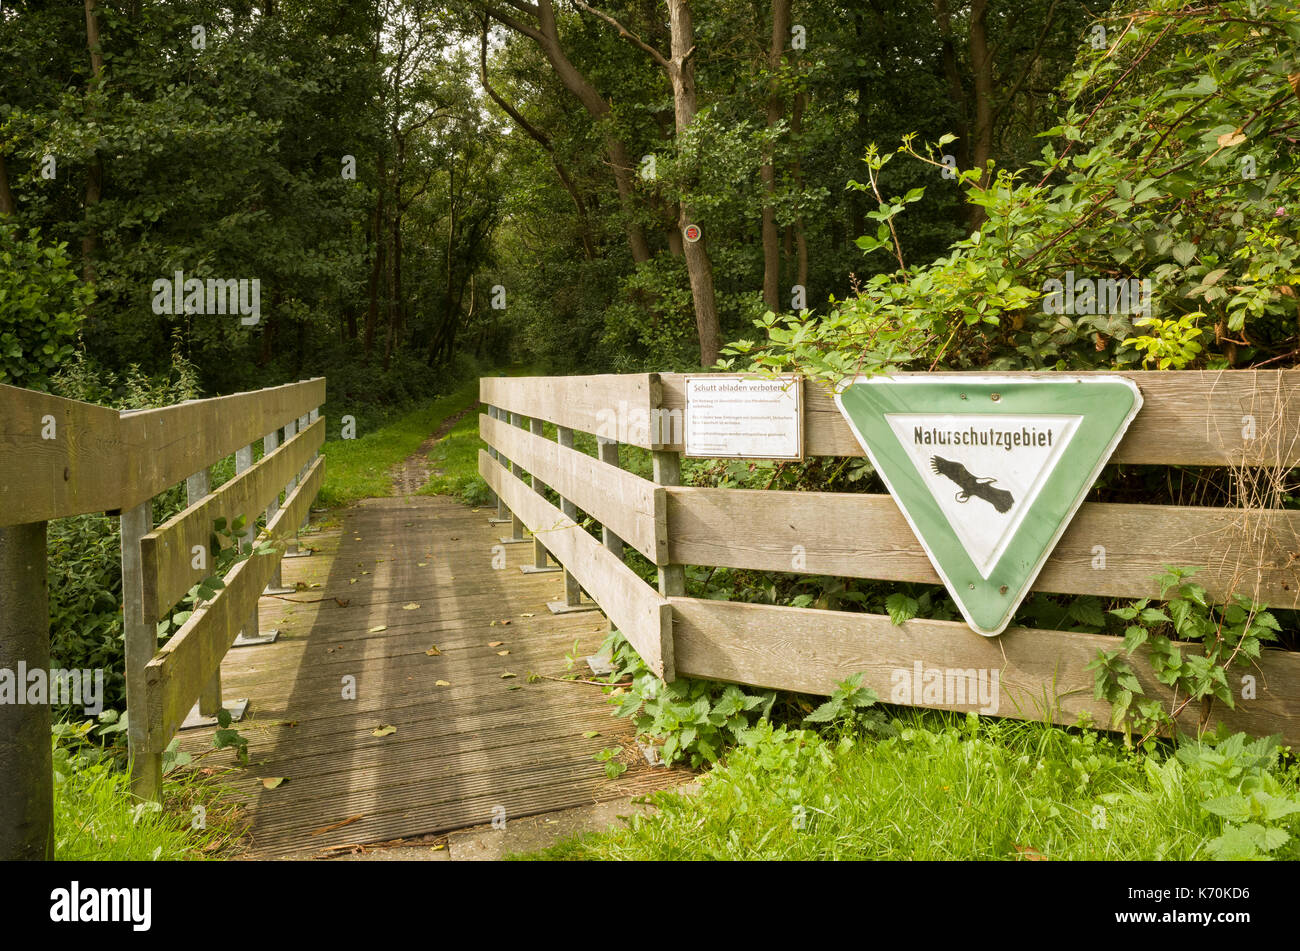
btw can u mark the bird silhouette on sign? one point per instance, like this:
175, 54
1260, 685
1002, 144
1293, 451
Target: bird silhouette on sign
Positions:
969, 484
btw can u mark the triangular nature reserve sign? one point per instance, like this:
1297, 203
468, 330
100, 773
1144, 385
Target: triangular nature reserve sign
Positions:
988, 470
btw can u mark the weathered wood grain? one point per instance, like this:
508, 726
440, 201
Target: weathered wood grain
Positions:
165, 445
186, 663
631, 605
1188, 417
615, 406
77, 469
1109, 549
167, 550
1041, 674
624, 502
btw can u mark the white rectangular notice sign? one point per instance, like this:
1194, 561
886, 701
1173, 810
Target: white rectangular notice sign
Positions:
734, 417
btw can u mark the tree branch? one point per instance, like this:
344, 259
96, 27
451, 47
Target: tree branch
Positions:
511, 23
628, 35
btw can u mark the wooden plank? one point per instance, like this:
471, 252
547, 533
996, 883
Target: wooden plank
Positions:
167, 550
630, 604
616, 406
187, 662
1188, 417
1109, 549
624, 502
165, 445
1040, 674
58, 457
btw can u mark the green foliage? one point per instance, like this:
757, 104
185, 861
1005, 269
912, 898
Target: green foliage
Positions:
944, 786
42, 306
1238, 778
1171, 344
695, 719
847, 705
1191, 645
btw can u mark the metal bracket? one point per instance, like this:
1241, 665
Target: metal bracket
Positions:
236, 709
269, 637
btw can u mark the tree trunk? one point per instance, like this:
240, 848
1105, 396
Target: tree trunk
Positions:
982, 65
597, 107
94, 169
698, 265
377, 267
956, 91
775, 106
800, 238
7, 204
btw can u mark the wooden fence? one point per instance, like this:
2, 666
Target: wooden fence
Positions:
60, 457
1247, 420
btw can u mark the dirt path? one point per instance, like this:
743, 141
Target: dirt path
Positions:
415, 470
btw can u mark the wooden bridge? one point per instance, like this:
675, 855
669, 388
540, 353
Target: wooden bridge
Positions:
397, 699
404, 678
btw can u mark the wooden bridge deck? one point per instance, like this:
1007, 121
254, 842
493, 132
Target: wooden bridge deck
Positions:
410, 574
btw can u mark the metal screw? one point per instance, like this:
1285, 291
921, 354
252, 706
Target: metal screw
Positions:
1002, 590
963, 396
996, 397
971, 586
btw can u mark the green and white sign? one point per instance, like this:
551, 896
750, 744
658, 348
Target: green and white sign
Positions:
988, 470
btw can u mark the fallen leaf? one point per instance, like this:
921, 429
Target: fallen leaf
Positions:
502, 653
526, 615
421, 564
271, 782
365, 572
1030, 854
442, 683
495, 643
377, 629
513, 687
316, 584
352, 581
505, 622
343, 602
507, 675
411, 606
1229, 139
384, 731
433, 651
590, 733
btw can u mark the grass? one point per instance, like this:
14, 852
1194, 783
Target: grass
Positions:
97, 819
361, 468
943, 787
457, 457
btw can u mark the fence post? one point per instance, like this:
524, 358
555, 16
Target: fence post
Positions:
503, 516
27, 794
270, 442
250, 635
536, 426
572, 590
196, 487
291, 547
516, 536
607, 451
668, 471
141, 637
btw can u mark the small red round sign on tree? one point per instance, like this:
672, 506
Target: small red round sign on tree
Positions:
691, 233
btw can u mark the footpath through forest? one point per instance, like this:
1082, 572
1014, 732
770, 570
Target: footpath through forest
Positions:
397, 703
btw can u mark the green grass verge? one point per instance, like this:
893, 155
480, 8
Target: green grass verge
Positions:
457, 458
942, 787
97, 819
361, 468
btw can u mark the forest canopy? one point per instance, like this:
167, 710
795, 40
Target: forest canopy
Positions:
414, 188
